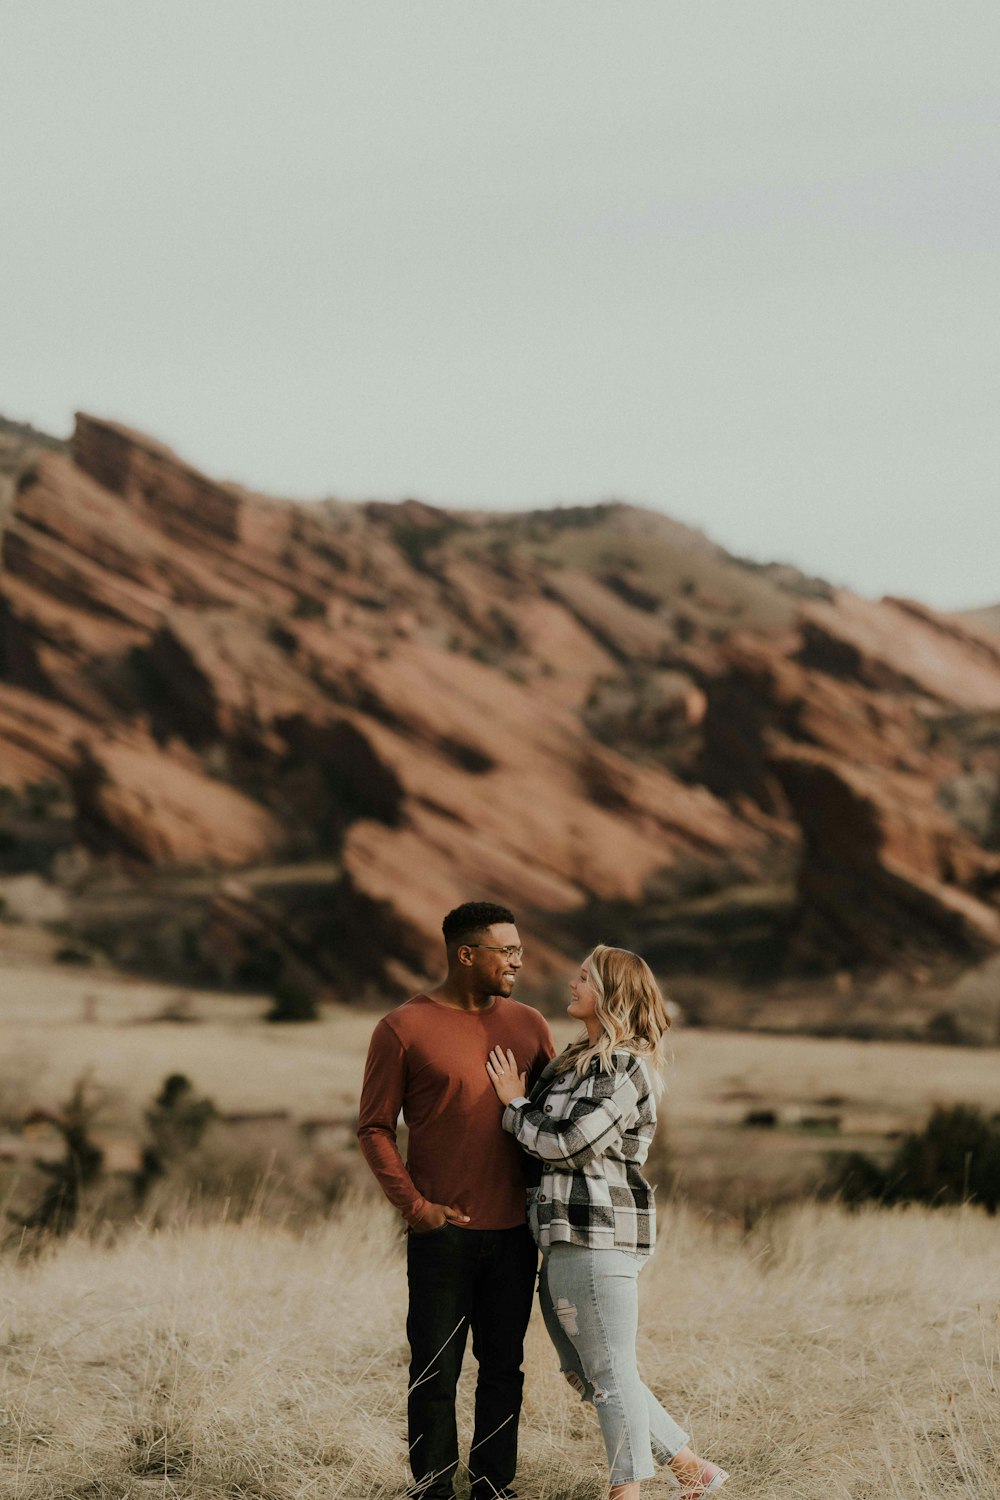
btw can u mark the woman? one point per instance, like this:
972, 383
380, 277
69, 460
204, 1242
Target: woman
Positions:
589, 1121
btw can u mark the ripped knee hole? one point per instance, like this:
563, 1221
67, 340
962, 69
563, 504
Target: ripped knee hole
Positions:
566, 1313
580, 1386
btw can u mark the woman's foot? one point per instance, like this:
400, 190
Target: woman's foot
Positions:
696, 1476
709, 1481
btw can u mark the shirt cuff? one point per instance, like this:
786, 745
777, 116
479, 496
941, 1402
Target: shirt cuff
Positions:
415, 1213
516, 1103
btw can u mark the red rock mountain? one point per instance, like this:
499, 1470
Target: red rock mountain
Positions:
271, 742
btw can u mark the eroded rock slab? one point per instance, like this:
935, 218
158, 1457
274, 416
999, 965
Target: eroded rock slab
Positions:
555, 710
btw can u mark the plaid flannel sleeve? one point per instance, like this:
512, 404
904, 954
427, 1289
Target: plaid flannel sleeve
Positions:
599, 1111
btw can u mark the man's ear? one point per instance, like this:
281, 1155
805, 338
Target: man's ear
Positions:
464, 954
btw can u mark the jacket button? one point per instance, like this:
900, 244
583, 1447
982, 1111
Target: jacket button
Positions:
548, 1109
540, 1198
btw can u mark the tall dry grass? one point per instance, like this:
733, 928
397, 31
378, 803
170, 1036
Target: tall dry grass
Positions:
826, 1356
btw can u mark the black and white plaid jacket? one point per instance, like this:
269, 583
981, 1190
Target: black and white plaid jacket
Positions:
592, 1135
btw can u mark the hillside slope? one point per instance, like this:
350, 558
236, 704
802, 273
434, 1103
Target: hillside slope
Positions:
254, 740
986, 619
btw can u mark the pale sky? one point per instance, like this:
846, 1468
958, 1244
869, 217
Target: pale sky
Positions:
734, 261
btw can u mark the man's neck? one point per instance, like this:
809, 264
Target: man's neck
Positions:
457, 998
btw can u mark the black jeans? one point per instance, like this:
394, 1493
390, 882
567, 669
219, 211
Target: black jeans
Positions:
458, 1279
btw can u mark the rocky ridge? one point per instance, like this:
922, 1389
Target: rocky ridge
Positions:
270, 742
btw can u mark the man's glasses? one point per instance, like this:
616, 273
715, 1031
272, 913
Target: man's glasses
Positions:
512, 950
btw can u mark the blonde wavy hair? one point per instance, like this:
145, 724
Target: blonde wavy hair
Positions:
631, 1010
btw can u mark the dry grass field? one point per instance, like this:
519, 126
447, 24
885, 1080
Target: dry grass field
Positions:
818, 1354
823, 1357
824, 1095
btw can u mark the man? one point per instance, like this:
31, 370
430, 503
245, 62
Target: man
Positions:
471, 1260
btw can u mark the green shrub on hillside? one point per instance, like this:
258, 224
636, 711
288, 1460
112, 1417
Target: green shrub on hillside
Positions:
292, 1002
954, 1159
176, 1121
67, 1177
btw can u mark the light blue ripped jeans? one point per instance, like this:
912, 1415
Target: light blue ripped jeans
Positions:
589, 1300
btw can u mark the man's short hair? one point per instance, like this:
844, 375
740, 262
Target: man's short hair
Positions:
472, 917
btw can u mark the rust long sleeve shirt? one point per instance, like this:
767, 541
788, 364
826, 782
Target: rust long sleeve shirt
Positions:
428, 1061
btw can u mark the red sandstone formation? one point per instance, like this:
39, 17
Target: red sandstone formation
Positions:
376, 712
885, 873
